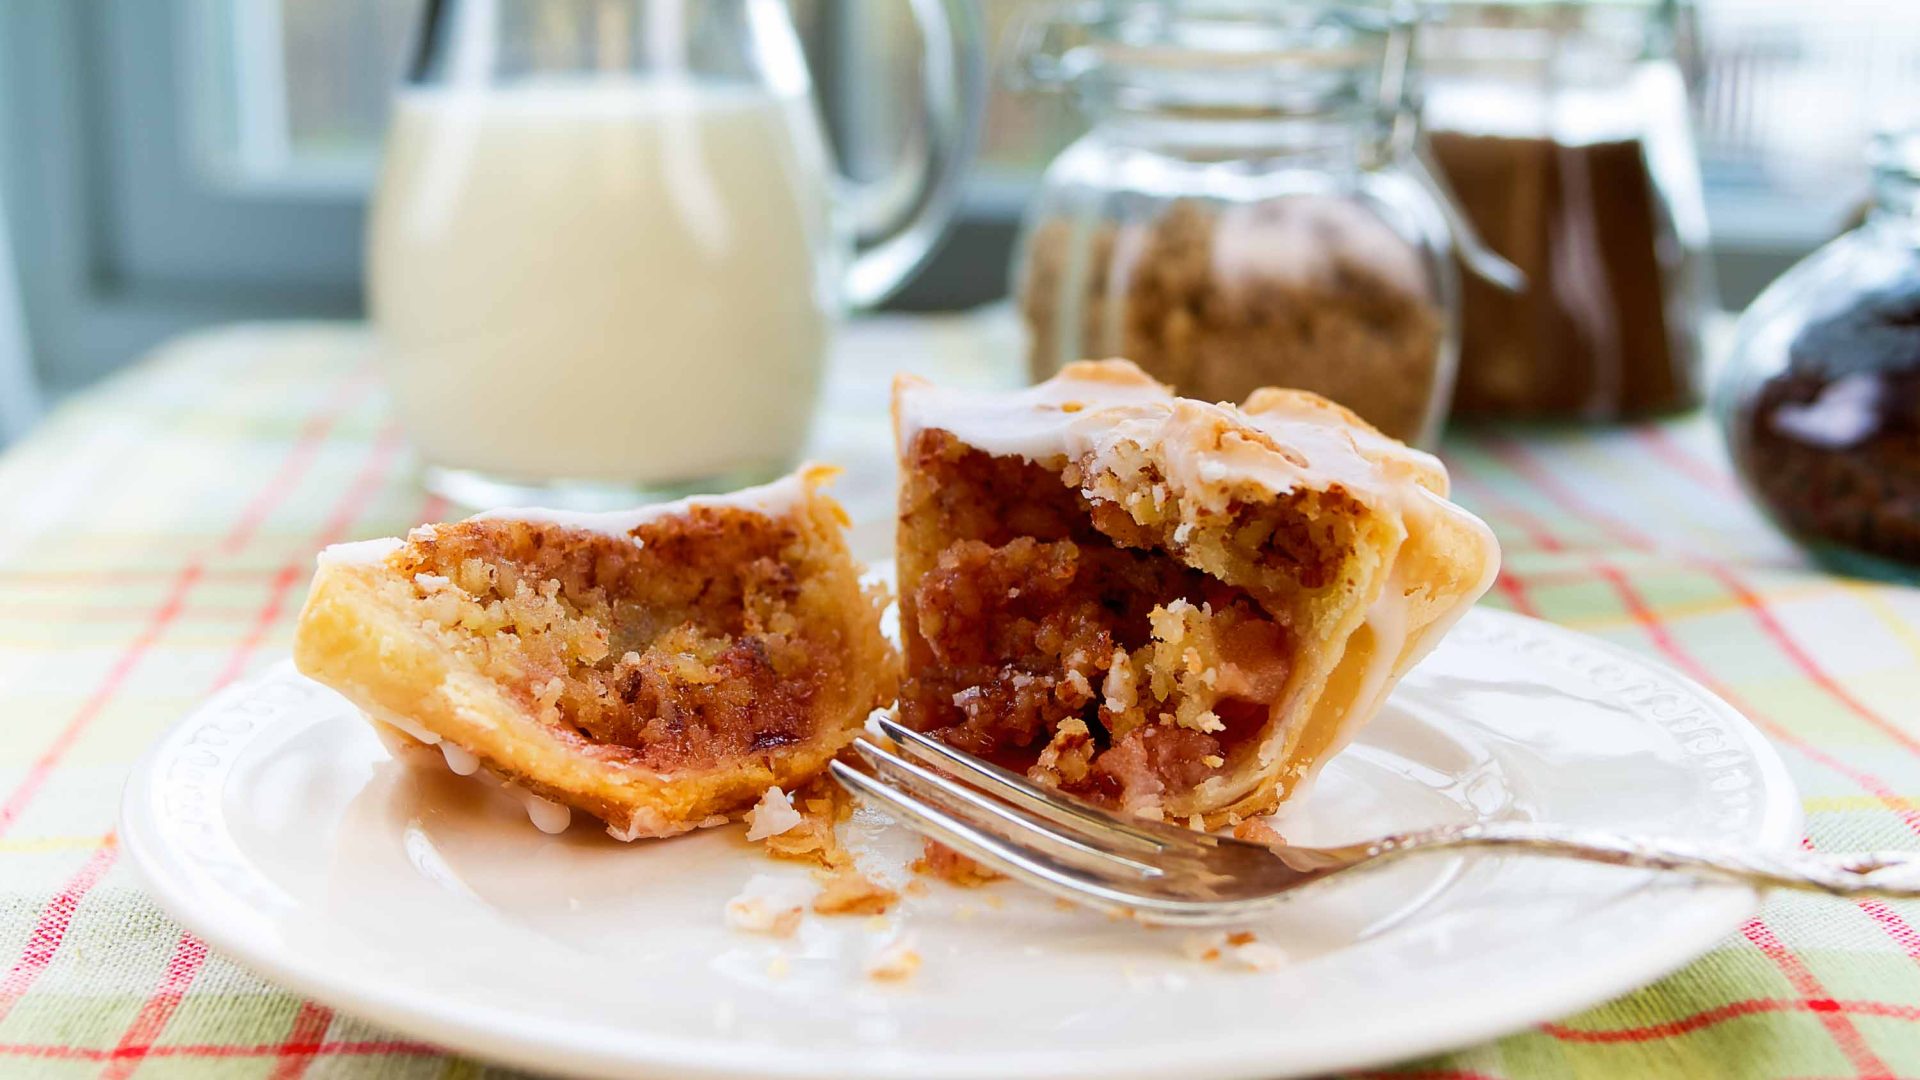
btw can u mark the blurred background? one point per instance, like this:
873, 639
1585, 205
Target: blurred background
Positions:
169, 164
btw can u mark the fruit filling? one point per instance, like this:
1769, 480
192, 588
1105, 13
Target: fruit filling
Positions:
1042, 643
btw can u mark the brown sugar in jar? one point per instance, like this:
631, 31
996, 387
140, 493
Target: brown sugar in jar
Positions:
1608, 322
1307, 291
1244, 210
1563, 130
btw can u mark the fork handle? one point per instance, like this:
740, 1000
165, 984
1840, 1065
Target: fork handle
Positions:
1893, 875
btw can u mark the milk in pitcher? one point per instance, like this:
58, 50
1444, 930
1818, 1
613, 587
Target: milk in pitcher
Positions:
627, 281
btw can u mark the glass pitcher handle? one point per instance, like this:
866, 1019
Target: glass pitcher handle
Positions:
901, 216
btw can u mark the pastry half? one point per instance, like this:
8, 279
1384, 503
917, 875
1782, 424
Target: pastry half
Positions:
657, 669
1174, 608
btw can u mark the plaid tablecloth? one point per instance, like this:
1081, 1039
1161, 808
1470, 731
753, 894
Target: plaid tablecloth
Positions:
157, 533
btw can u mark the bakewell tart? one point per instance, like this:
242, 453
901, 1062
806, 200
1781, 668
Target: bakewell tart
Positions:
1173, 608
658, 669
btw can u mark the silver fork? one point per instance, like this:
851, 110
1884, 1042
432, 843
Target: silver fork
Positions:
1166, 874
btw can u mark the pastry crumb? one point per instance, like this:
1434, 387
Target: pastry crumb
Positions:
941, 861
1241, 950
895, 961
1260, 956
1257, 830
849, 892
778, 967
772, 815
768, 905
821, 805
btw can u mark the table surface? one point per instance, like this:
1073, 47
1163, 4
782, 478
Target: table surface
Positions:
157, 533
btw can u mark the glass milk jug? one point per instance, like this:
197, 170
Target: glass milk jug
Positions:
609, 247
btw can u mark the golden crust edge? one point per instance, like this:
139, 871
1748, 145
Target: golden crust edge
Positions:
378, 657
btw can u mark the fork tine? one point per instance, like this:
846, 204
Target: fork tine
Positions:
962, 799
1018, 790
1030, 867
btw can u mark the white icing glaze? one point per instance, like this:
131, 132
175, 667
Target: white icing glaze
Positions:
415, 731
547, 816
1097, 412
462, 761
359, 552
779, 497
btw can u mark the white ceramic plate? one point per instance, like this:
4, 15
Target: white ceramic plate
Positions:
272, 824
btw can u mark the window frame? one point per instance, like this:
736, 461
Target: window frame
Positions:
122, 241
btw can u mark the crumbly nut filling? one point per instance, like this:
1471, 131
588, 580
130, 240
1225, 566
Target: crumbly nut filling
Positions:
699, 645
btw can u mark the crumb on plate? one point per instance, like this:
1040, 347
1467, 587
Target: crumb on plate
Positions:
849, 892
941, 861
894, 961
768, 905
772, 815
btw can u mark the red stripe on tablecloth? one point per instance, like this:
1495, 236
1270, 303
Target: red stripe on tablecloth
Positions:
222, 1050
304, 451
51, 928
264, 619
1896, 927
1819, 1002
1803, 660
303, 1038
1845, 1035
1520, 460
1522, 463
352, 504
1537, 532
1731, 1011
1510, 587
434, 508
313, 435
95, 578
1650, 622
1644, 615
117, 675
152, 1018
137, 1041
310, 1024
1658, 442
